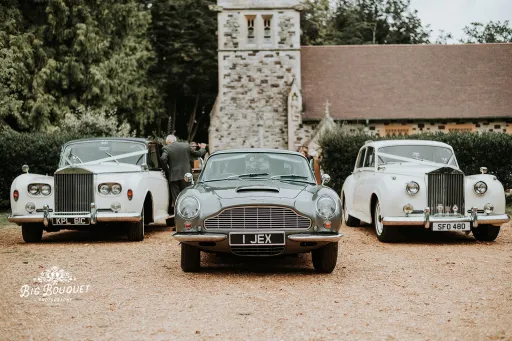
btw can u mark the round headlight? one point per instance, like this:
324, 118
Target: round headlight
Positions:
30, 207
326, 207
480, 187
116, 189
188, 207
46, 190
33, 189
412, 188
104, 189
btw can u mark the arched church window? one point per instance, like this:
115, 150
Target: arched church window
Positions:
267, 29
251, 37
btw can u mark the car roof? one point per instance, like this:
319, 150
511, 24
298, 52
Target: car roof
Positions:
256, 150
125, 139
388, 143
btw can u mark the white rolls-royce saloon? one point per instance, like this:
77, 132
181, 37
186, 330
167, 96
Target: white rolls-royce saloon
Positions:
414, 182
104, 180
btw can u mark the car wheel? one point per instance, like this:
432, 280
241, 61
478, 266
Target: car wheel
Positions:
136, 230
486, 233
349, 220
190, 258
325, 258
384, 233
32, 233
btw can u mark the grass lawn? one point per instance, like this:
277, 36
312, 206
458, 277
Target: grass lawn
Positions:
3, 218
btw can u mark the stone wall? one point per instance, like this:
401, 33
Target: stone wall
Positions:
253, 99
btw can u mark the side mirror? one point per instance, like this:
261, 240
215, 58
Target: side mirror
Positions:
325, 179
24, 169
483, 170
189, 178
144, 167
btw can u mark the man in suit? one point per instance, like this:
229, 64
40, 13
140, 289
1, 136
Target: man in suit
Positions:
177, 155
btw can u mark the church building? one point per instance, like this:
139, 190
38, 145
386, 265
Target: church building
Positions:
275, 93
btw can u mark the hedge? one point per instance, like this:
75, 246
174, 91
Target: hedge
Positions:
40, 151
473, 150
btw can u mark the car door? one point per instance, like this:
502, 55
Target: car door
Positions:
358, 181
366, 184
158, 184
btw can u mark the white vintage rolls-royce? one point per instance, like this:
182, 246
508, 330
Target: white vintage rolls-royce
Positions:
414, 182
104, 180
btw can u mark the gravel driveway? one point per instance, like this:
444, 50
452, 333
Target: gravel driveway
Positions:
429, 287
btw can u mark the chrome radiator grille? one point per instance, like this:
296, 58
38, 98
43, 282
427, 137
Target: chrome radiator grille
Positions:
73, 192
446, 187
258, 218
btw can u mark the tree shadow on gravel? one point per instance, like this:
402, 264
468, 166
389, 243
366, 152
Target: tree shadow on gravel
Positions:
99, 234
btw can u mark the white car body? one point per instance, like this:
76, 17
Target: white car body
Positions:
146, 182
374, 181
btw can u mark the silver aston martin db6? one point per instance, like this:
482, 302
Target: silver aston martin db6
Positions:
258, 202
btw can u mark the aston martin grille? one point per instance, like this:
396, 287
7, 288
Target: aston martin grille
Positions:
251, 217
73, 192
446, 187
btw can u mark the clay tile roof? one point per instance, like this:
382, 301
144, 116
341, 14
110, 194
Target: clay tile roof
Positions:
387, 82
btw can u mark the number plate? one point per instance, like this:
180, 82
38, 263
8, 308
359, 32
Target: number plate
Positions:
243, 238
71, 221
451, 226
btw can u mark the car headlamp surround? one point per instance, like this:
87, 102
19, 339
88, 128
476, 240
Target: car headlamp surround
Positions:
412, 188
189, 207
107, 188
39, 189
326, 207
480, 188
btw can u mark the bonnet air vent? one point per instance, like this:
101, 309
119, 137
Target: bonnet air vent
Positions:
257, 189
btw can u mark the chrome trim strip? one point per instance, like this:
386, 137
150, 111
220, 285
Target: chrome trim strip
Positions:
194, 237
497, 219
315, 237
100, 217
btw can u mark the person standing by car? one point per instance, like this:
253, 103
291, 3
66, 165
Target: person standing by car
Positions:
177, 155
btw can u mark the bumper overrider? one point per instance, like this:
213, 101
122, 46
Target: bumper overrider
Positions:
426, 219
218, 237
47, 216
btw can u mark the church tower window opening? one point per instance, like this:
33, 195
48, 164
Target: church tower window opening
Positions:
251, 36
267, 29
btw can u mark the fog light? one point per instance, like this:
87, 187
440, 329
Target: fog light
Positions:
188, 225
408, 209
327, 225
488, 208
30, 207
116, 207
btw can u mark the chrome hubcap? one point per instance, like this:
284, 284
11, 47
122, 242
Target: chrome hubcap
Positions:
378, 223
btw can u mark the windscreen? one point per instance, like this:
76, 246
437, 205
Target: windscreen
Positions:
90, 152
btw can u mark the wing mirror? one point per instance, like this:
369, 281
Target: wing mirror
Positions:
144, 167
325, 179
189, 178
483, 170
24, 169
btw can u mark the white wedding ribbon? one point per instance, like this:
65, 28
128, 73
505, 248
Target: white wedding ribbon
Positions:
115, 157
407, 159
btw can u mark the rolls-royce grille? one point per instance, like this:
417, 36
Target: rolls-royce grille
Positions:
258, 218
446, 187
260, 250
73, 192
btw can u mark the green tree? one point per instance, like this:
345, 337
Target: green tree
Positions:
378, 22
316, 22
492, 32
184, 37
72, 53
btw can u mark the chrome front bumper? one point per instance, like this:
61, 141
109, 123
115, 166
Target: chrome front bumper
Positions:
218, 237
94, 217
426, 219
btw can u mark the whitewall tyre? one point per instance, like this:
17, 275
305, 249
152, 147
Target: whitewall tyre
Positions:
349, 220
384, 233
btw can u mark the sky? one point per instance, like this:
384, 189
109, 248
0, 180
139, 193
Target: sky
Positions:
452, 15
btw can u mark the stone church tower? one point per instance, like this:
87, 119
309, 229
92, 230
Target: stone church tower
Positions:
259, 102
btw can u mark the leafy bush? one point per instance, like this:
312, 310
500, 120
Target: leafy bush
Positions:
473, 150
95, 123
40, 151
